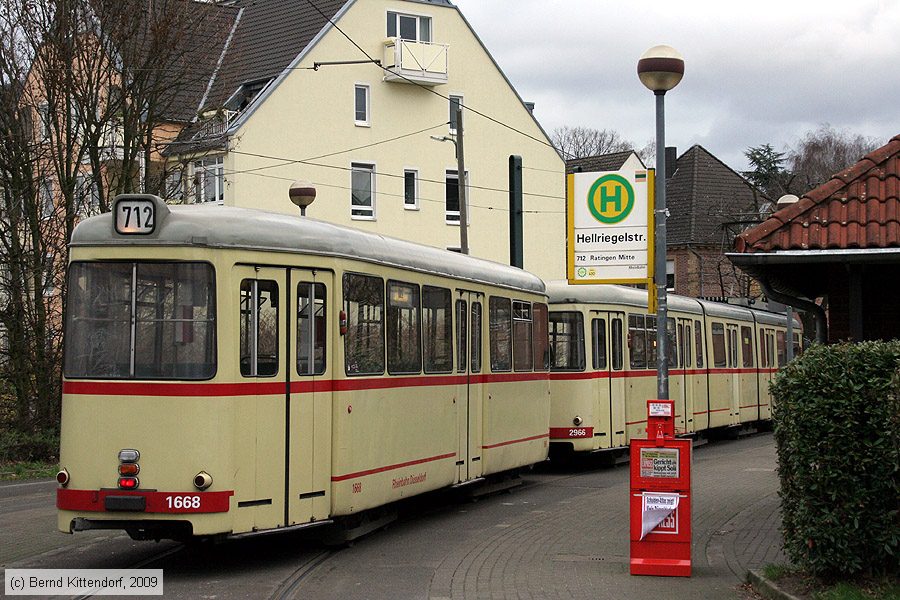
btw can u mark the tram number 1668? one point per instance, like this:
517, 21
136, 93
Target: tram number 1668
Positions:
183, 502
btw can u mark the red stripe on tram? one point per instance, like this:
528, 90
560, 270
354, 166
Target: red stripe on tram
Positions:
519, 441
393, 467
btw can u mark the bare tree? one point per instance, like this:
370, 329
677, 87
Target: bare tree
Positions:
823, 152
579, 142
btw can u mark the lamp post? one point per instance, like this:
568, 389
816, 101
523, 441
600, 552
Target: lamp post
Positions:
660, 69
460, 180
302, 193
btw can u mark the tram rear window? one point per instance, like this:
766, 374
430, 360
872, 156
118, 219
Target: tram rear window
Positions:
172, 306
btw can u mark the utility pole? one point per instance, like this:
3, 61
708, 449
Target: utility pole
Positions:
461, 184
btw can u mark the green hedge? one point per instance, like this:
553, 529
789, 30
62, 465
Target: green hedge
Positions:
837, 428
16, 446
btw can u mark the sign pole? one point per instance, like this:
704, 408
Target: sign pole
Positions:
662, 358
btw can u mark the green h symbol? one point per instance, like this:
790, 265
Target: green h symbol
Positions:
606, 199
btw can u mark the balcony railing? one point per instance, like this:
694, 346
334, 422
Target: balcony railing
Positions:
409, 61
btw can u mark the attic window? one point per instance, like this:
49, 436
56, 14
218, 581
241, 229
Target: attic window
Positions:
409, 27
245, 94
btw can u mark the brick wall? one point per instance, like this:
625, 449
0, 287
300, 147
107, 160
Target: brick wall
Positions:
705, 271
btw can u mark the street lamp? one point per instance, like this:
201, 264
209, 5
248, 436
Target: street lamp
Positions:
460, 179
660, 69
302, 194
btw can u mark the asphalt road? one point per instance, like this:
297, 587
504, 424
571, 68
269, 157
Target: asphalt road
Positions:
562, 534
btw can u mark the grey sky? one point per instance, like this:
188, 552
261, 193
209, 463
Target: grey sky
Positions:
755, 72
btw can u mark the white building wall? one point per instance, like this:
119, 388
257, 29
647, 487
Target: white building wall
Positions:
311, 113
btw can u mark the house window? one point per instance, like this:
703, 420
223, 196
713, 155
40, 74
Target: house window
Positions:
173, 187
409, 27
46, 199
410, 189
361, 102
452, 196
670, 275
209, 179
455, 102
362, 200
87, 194
43, 110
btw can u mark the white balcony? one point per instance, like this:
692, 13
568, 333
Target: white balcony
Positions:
409, 61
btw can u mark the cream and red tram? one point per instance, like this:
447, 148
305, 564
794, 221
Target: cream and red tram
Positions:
229, 371
603, 365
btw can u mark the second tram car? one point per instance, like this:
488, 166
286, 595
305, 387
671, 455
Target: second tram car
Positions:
229, 371
603, 365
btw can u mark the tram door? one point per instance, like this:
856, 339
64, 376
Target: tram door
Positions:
259, 448
308, 413
469, 325
615, 343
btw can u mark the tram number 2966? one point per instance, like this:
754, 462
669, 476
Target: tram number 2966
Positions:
579, 432
183, 502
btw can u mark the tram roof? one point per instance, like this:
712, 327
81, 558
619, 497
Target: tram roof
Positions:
225, 227
561, 292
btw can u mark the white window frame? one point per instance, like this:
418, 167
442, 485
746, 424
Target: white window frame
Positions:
418, 16
415, 204
363, 167
450, 112
43, 112
367, 121
670, 270
202, 168
48, 206
452, 217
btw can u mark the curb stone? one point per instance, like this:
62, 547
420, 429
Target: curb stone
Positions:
767, 588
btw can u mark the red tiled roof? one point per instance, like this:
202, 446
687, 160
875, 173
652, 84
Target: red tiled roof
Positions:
857, 208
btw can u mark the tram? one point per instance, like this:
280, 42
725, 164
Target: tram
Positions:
230, 372
721, 359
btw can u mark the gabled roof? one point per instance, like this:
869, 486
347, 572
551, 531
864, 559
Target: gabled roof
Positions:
857, 208
602, 162
270, 35
702, 195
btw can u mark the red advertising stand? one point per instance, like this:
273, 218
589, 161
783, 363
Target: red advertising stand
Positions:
660, 497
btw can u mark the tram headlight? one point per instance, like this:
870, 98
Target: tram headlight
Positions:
202, 480
62, 478
577, 421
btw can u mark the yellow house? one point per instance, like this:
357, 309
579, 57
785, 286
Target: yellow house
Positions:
350, 94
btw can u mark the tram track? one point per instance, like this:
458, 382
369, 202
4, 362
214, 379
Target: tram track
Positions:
140, 564
289, 586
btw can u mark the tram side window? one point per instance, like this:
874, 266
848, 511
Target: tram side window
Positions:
671, 343
718, 338
616, 347
566, 341
541, 339
770, 346
782, 350
364, 341
686, 352
698, 343
797, 349
500, 322
637, 344
437, 329
311, 328
733, 347
598, 344
523, 350
651, 341
747, 346
763, 355
404, 344
259, 328
173, 309
462, 340
476, 337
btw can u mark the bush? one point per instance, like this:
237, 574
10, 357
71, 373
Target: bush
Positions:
837, 428
17, 446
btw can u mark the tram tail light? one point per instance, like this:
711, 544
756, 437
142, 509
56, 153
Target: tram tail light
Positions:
202, 480
129, 469
62, 478
128, 483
